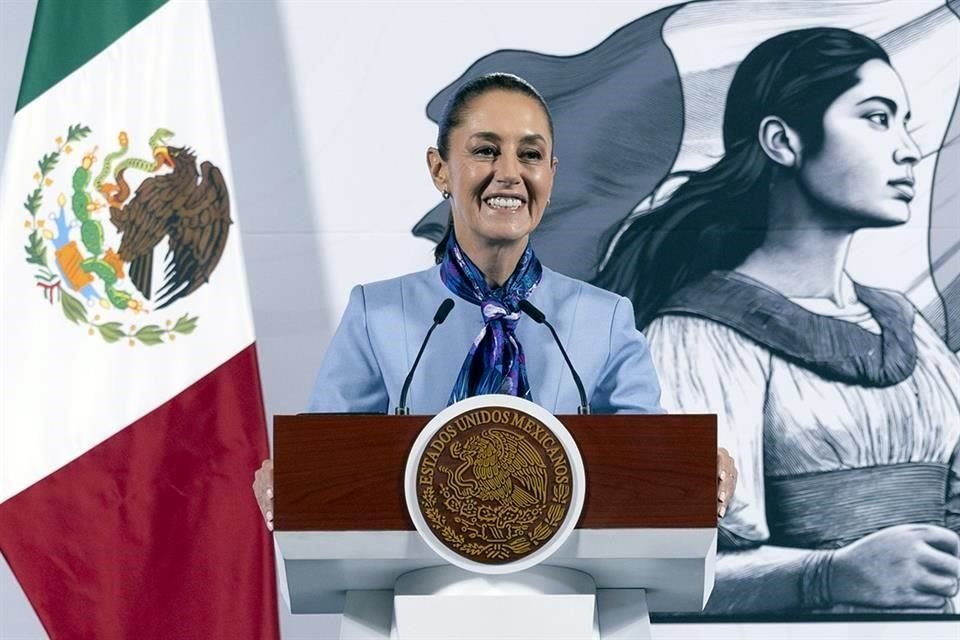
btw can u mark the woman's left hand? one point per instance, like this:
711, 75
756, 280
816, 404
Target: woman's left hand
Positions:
726, 480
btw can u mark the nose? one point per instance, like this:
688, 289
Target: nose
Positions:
908, 152
508, 169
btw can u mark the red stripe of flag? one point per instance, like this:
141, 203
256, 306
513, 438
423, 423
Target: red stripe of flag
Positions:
155, 533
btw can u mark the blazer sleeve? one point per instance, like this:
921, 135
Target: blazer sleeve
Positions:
628, 381
350, 379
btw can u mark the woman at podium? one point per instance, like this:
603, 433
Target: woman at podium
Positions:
494, 164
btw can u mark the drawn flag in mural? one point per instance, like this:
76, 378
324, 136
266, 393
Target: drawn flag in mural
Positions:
944, 311
647, 101
132, 418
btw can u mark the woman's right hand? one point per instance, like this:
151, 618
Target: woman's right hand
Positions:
263, 490
906, 566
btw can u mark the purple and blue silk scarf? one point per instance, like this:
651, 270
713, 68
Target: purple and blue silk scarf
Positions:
495, 362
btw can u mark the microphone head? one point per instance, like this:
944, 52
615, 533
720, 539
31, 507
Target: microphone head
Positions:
535, 314
443, 311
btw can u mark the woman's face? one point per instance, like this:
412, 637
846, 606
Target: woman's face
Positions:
865, 167
499, 170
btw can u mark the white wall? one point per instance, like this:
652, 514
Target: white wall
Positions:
311, 144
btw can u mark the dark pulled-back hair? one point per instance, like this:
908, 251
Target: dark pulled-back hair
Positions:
719, 216
453, 112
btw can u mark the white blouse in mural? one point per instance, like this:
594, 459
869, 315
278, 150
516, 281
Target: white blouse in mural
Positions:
778, 419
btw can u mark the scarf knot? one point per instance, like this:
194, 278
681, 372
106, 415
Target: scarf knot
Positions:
495, 362
494, 309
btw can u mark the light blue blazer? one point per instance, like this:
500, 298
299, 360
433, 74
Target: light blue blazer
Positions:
385, 322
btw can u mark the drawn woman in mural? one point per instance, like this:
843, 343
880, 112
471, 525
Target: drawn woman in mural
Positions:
840, 403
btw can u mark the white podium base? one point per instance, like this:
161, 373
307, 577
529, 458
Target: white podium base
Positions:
446, 603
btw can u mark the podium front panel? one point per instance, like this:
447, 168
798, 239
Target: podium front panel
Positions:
338, 472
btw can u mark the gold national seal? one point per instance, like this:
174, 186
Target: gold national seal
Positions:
494, 484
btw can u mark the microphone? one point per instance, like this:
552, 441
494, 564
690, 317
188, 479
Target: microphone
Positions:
442, 312
537, 316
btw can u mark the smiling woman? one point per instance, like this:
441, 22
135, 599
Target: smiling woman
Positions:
499, 172
494, 164
494, 161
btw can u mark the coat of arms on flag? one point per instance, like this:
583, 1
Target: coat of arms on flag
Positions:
94, 251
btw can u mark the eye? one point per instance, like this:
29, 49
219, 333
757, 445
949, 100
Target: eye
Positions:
531, 155
879, 118
486, 151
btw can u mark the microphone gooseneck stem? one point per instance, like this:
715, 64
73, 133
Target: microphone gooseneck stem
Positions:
584, 408
402, 408
537, 316
442, 312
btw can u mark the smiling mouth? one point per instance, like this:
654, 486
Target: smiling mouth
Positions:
904, 189
503, 203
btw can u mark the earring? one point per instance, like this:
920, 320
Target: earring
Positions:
445, 194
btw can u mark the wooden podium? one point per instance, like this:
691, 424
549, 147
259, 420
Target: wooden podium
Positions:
646, 535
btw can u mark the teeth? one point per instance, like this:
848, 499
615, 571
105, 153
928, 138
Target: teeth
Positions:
504, 203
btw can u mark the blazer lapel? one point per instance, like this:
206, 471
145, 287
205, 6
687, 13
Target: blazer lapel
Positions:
448, 345
545, 366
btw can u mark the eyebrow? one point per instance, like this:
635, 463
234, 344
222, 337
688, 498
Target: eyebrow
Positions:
493, 137
890, 104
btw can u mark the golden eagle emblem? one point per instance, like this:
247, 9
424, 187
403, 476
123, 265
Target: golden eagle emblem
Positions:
504, 466
494, 485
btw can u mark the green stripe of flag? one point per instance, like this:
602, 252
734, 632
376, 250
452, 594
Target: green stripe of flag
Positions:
68, 33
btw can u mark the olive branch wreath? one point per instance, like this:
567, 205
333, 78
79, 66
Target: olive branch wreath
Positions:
496, 550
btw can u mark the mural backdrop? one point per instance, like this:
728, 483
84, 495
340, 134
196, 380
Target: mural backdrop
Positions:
719, 160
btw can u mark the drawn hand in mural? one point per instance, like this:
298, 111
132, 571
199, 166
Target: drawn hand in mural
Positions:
907, 566
263, 490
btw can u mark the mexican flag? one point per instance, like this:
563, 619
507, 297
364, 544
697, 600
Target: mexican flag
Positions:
131, 419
